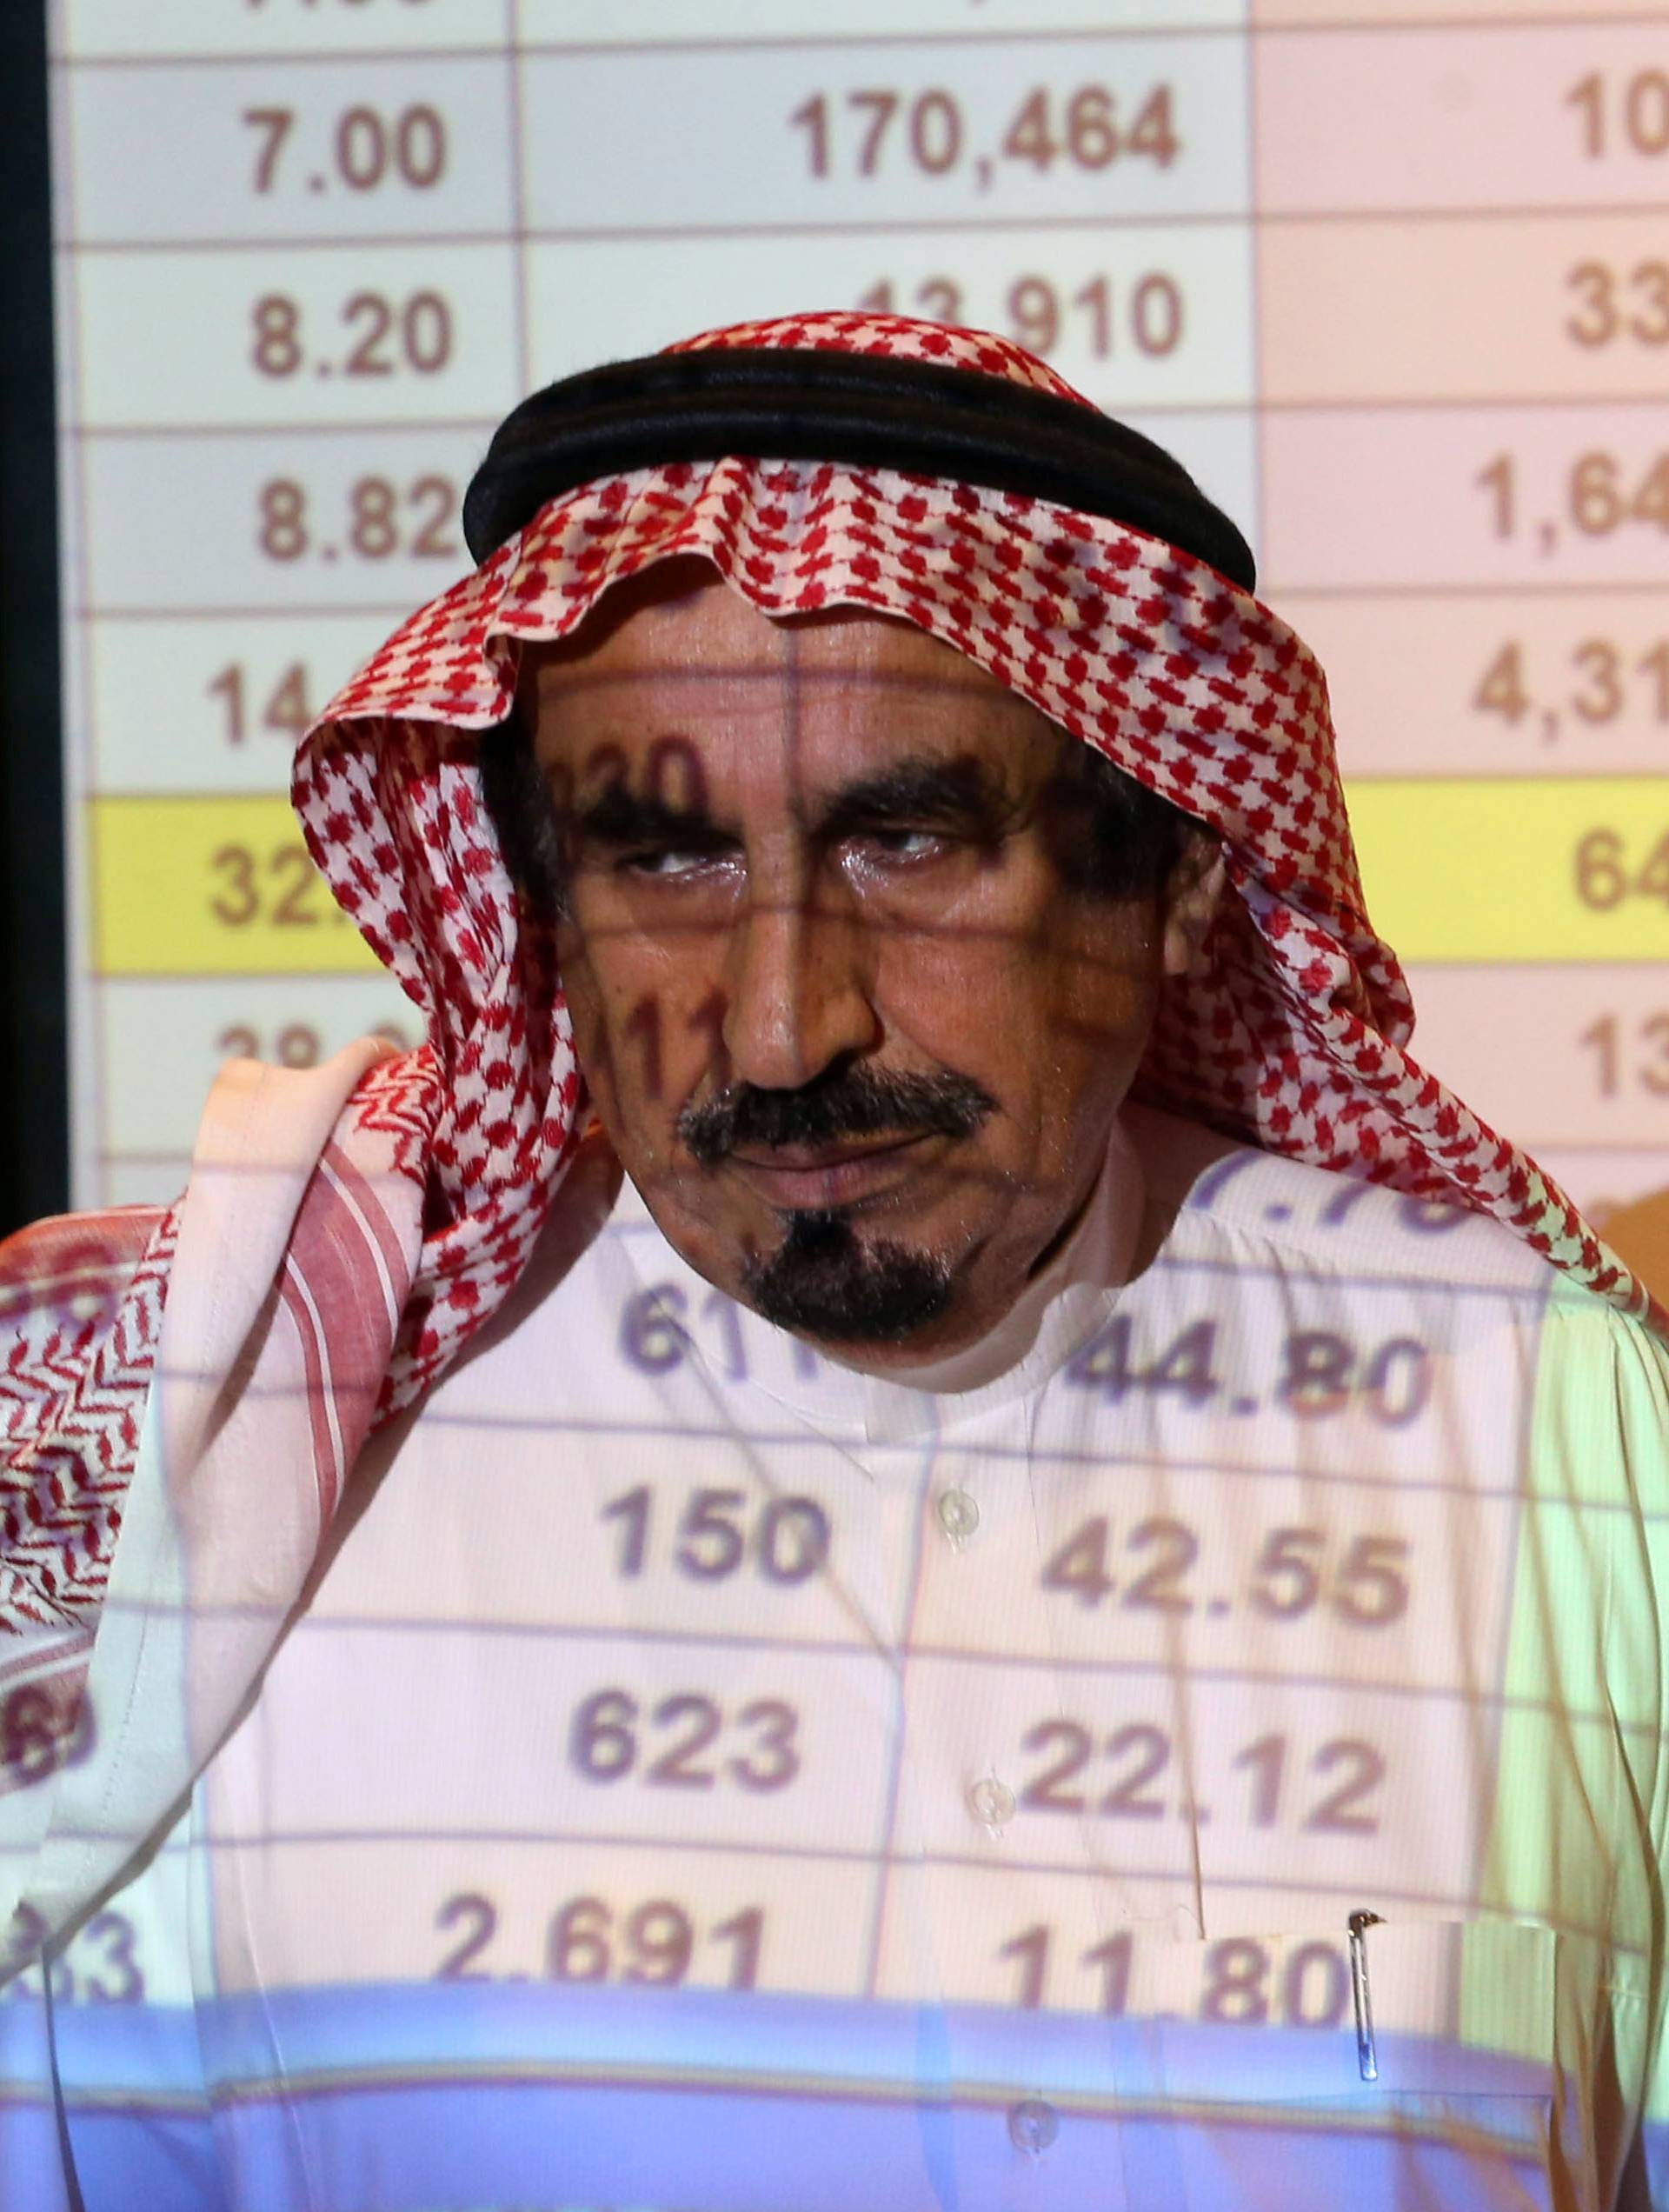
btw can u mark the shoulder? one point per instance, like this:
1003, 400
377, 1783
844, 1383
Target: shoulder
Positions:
65, 1284
81, 1302
72, 1263
1582, 1384
1602, 1402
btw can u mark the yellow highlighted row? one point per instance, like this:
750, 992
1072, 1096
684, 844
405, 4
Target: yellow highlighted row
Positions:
217, 886
1544, 868
1469, 870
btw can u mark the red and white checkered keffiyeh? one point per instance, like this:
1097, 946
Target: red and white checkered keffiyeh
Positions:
1289, 1033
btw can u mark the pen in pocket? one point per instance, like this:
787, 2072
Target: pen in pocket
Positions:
1367, 2058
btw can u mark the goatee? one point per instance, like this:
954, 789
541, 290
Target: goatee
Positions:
824, 1281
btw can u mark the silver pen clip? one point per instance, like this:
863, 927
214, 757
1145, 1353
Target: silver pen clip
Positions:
1367, 2059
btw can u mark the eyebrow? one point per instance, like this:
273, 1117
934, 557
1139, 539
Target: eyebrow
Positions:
619, 818
964, 794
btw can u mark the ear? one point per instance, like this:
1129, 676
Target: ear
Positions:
1192, 891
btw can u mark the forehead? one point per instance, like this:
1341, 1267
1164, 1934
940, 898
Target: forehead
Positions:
681, 644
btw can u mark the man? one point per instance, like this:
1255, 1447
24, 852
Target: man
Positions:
910, 1525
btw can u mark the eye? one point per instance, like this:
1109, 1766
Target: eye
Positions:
666, 864
900, 845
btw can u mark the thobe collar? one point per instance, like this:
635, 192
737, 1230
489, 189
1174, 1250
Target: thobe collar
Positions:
1057, 1312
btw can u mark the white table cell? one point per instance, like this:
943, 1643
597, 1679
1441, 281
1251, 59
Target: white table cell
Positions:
1551, 1057
801, 138
650, 1917
215, 703
1064, 1942
364, 519
165, 1038
775, 23
1356, 1374
136, 1949
1473, 309
1391, 116
1274, 1961
1513, 684
567, 1738
1145, 317
96, 30
1219, 1565
1409, 497
1023, 1936
274, 335
699, 1541
316, 150
1154, 1774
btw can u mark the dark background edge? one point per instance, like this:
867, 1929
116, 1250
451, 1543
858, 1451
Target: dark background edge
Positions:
34, 1034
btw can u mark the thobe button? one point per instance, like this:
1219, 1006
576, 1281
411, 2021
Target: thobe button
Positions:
1032, 2125
991, 1800
958, 1515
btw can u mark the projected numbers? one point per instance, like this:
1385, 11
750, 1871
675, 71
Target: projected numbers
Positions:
277, 889
365, 148
1320, 1372
685, 1741
373, 335
1153, 1565
100, 1965
1597, 682
1144, 316
659, 1942
1090, 127
284, 710
1618, 305
380, 519
1623, 1056
719, 1532
1601, 493
43, 1726
1125, 1774
1612, 869
1239, 1982
295, 1044
867, 131
654, 1334
1622, 112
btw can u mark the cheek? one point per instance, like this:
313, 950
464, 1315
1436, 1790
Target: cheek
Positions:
636, 1005
1106, 986
1069, 981
961, 969
1051, 1018
1104, 980
583, 992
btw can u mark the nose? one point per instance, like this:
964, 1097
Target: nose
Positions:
797, 989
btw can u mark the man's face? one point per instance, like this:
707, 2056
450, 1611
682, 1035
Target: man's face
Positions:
851, 1021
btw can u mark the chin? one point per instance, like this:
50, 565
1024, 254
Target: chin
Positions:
826, 1281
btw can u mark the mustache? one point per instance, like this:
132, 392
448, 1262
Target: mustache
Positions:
851, 1102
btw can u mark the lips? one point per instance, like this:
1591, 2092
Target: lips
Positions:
790, 1176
